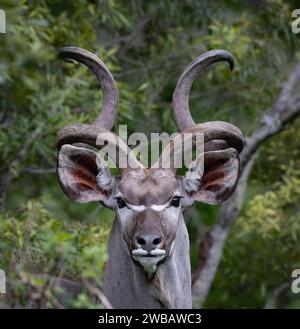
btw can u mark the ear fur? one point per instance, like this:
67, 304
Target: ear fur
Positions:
83, 175
218, 178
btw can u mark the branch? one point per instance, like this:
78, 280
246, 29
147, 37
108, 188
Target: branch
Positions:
211, 247
98, 293
280, 295
284, 110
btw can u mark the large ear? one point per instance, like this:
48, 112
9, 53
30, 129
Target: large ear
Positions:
83, 175
217, 176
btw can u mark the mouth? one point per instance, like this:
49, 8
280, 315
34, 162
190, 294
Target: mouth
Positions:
148, 260
144, 253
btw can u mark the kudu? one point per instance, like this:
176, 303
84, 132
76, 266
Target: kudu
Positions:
148, 264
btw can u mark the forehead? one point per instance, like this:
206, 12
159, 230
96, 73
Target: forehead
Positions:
147, 186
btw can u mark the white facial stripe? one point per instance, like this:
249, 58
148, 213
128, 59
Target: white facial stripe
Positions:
159, 207
136, 208
155, 207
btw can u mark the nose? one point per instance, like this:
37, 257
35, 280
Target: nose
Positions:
148, 241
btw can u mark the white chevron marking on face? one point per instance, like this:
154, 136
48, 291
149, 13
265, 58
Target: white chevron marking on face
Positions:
155, 207
136, 208
159, 207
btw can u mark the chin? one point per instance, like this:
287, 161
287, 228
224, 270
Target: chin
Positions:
148, 261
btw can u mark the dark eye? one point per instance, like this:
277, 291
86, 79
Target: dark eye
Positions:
175, 202
121, 203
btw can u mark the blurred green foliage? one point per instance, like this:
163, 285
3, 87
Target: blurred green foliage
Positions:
34, 243
262, 251
146, 45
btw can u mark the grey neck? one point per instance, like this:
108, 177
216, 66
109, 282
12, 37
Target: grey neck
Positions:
126, 285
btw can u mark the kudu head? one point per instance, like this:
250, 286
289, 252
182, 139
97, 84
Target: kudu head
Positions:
148, 201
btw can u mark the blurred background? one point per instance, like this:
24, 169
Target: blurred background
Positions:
146, 45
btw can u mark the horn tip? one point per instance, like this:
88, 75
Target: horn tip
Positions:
67, 53
227, 56
224, 55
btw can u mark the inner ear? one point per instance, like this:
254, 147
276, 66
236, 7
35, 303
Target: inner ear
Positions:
219, 177
81, 171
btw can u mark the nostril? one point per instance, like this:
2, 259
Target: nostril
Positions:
156, 241
148, 241
141, 241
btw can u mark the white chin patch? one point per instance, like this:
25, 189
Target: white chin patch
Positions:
149, 264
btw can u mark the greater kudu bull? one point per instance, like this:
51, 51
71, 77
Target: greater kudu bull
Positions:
148, 265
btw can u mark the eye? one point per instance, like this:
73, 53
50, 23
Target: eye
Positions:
175, 202
121, 203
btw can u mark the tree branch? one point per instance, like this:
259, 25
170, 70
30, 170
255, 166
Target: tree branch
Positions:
280, 296
211, 247
97, 292
284, 110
